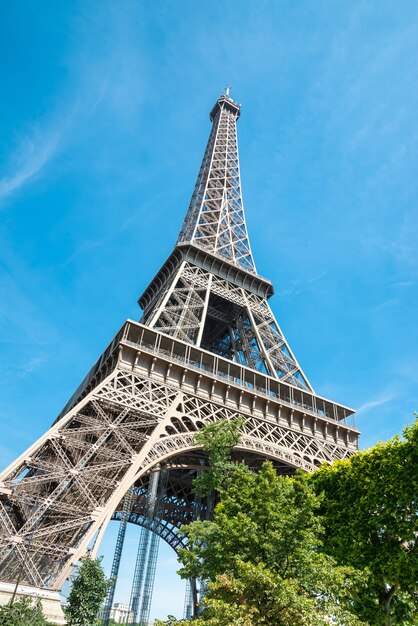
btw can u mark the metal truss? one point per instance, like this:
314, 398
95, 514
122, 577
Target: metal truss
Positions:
208, 348
215, 219
146, 560
177, 504
208, 311
61, 491
161, 501
200, 307
188, 601
147, 590
126, 507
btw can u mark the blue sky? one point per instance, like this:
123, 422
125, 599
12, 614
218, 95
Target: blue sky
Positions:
104, 119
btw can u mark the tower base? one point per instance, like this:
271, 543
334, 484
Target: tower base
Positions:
51, 602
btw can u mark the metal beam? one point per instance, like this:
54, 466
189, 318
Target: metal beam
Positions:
117, 557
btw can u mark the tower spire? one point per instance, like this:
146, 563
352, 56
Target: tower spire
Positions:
208, 292
215, 219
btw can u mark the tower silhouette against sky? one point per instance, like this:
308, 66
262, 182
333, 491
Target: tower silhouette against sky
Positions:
208, 347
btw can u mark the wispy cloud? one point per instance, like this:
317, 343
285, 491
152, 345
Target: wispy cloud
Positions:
375, 402
386, 304
90, 245
32, 154
401, 283
85, 247
31, 366
298, 285
108, 75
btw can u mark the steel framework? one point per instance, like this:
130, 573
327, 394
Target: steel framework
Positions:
188, 601
208, 347
146, 560
126, 507
149, 578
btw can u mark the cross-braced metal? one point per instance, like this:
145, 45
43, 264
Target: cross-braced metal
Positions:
208, 347
126, 508
188, 601
146, 560
215, 219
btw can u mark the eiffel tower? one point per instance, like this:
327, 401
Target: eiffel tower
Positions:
207, 348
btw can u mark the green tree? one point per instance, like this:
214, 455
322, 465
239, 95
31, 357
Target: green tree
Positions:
370, 511
23, 612
217, 440
261, 554
88, 591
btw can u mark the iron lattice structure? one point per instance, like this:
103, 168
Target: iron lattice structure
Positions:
208, 347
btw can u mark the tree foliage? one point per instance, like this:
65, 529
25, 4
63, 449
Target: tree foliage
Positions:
261, 554
89, 589
217, 440
23, 612
340, 544
370, 511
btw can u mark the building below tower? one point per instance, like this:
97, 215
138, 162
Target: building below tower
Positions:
119, 613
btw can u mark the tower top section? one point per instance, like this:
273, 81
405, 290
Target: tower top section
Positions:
226, 101
215, 220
